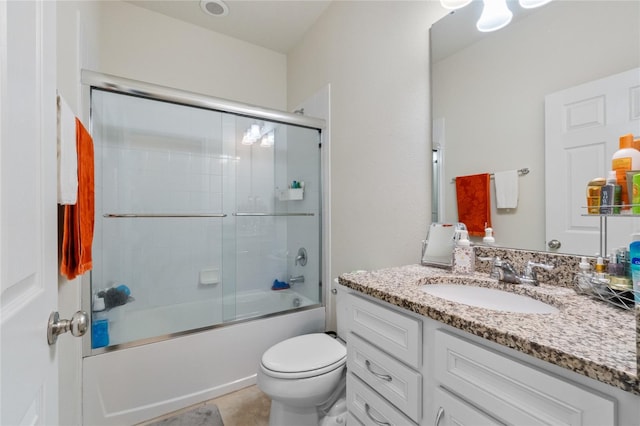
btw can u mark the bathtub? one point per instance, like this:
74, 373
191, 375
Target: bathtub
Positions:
153, 377
129, 323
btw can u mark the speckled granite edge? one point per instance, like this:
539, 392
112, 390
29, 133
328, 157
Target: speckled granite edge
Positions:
590, 351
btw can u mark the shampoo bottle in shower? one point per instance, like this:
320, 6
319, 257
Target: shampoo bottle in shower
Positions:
99, 323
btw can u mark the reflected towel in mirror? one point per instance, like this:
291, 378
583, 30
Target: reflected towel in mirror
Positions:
474, 208
506, 189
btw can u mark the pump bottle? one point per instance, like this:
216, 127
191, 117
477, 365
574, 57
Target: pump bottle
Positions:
463, 255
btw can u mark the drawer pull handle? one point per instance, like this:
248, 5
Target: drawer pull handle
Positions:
385, 377
439, 416
378, 422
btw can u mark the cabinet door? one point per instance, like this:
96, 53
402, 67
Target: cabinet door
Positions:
370, 408
453, 411
514, 392
400, 335
398, 383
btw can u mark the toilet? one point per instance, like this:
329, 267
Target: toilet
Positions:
305, 377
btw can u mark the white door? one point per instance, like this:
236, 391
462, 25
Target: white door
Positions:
28, 224
583, 125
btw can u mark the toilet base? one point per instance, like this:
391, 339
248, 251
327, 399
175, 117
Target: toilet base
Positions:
287, 415
283, 415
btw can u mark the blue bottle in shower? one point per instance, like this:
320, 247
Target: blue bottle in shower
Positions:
99, 330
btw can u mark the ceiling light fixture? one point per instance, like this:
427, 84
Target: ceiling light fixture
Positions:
214, 7
255, 133
495, 13
454, 4
531, 4
268, 139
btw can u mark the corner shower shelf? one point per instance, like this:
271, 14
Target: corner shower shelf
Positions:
291, 194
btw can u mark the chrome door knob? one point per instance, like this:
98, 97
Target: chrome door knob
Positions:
78, 325
554, 244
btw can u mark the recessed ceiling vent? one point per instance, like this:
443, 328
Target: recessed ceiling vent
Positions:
214, 7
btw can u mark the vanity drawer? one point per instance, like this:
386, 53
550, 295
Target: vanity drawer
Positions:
514, 392
370, 408
353, 420
398, 334
453, 411
398, 383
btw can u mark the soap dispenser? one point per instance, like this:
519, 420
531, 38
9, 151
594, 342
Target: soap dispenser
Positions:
464, 260
488, 237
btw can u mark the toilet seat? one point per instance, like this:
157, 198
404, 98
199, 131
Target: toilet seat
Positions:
304, 356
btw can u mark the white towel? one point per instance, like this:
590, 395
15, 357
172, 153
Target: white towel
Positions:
67, 154
506, 189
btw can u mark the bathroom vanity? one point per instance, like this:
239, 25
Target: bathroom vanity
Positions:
417, 359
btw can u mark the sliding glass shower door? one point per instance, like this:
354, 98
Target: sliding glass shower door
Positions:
203, 217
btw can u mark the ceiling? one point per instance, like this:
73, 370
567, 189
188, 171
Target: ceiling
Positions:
274, 24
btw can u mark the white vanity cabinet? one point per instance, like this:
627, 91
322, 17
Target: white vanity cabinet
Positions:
406, 369
384, 359
511, 391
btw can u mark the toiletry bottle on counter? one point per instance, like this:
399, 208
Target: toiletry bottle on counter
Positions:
625, 159
464, 259
610, 195
600, 268
634, 256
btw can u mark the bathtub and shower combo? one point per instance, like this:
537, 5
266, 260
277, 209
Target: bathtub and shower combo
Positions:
205, 210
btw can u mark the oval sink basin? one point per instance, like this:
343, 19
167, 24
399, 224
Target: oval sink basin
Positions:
489, 298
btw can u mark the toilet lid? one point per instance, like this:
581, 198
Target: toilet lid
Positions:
308, 352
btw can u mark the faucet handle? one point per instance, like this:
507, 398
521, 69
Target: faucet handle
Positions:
496, 261
530, 276
531, 265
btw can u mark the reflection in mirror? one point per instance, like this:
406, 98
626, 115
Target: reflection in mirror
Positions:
488, 99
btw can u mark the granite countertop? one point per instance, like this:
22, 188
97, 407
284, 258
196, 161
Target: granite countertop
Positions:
585, 336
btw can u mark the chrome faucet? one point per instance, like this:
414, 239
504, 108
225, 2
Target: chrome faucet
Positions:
503, 271
296, 280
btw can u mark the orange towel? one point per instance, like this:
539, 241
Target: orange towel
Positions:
474, 203
77, 234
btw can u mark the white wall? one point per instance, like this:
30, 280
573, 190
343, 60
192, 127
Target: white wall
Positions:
375, 55
144, 45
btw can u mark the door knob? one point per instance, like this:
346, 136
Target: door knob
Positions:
78, 325
554, 244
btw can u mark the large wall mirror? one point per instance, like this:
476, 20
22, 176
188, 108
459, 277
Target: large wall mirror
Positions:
488, 100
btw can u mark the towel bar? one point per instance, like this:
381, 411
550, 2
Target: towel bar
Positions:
274, 214
521, 172
160, 215
187, 215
